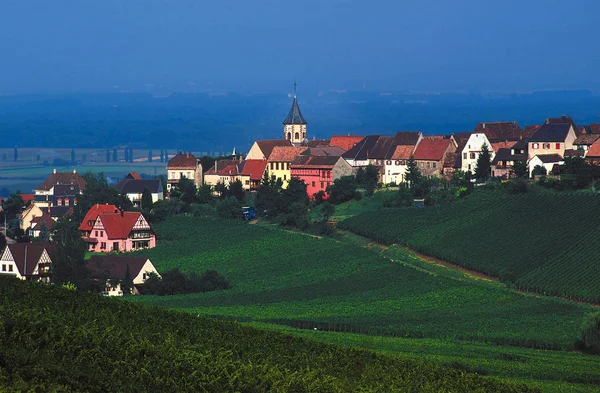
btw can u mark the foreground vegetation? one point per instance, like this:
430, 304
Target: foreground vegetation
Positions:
54, 339
536, 241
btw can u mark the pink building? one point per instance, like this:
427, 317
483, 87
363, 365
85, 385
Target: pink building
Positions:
116, 231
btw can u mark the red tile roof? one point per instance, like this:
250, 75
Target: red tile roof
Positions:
93, 214
431, 149
594, 150
502, 145
314, 162
254, 168
62, 178
119, 225
402, 152
44, 219
285, 153
500, 130
266, 146
27, 197
335, 151
224, 168
593, 128
586, 139
182, 161
133, 175
530, 130
345, 142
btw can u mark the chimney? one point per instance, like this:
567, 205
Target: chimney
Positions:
122, 213
54, 170
483, 125
74, 170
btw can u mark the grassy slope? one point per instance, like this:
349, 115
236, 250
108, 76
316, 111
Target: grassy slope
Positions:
539, 241
290, 277
52, 339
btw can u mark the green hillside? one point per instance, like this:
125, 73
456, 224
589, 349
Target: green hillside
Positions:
538, 241
53, 339
291, 279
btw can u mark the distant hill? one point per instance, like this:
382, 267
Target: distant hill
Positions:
217, 122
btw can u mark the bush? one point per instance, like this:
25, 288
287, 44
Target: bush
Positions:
174, 282
590, 335
342, 190
357, 195
229, 208
517, 186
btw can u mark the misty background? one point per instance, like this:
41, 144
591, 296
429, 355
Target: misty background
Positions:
209, 75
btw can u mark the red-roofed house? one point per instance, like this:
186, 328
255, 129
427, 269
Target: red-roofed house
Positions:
60, 189
120, 231
593, 154
252, 173
280, 160
319, 172
90, 217
41, 224
261, 150
345, 142
431, 153
224, 171
183, 165
27, 261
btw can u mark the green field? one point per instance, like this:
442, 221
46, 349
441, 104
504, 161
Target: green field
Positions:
56, 340
297, 280
538, 241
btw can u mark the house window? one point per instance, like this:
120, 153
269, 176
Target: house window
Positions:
428, 164
3, 268
247, 182
469, 166
434, 164
535, 146
284, 177
101, 233
115, 246
272, 166
472, 156
103, 246
96, 234
10, 268
464, 156
558, 145
388, 163
322, 185
66, 201
313, 184
277, 166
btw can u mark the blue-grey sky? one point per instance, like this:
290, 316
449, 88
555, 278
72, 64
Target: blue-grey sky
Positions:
261, 45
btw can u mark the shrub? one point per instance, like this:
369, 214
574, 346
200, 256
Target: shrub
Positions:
228, 208
590, 335
357, 195
517, 186
174, 282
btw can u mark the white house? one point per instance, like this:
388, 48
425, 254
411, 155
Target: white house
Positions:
26, 261
472, 149
112, 270
545, 160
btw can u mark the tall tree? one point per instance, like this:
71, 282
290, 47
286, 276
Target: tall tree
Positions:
413, 174
162, 156
72, 156
15, 154
484, 164
68, 264
146, 199
114, 155
519, 169
149, 155
107, 155
371, 178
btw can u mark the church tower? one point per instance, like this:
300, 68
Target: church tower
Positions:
294, 125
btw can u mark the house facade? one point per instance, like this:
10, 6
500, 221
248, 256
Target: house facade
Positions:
120, 232
32, 211
134, 189
225, 172
183, 165
27, 261
278, 164
60, 189
252, 173
319, 172
544, 160
261, 150
111, 270
472, 150
431, 153
551, 138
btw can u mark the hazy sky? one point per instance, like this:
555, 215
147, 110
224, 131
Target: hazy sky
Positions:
182, 45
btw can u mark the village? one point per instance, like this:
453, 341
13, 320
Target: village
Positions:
109, 231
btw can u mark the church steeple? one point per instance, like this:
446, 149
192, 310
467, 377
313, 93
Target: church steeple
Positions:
294, 125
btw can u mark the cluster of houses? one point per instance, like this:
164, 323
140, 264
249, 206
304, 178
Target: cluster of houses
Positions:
320, 162
105, 229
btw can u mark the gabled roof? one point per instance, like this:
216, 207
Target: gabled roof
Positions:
520, 145
60, 211
381, 147
594, 150
500, 130
313, 161
133, 175
295, 116
551, 132
182, 161
137, 186
549, 158
44, 219
586, 139
254, 168
224, 168
345, 142
361, 150
285, 153
431, 149
409, 138
561, 120
323, 151
93, 214
62, 178
402, 152
33, 252
115, 267
505, 154
593, 128
316, 143
27, 197
574, 153
119, 225
267, 145
461, 137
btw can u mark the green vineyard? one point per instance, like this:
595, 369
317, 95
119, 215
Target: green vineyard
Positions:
54, 339
303, 281
539, 241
